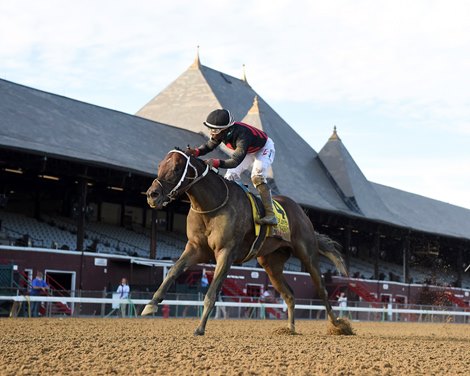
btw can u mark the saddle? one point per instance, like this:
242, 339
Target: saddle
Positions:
280, 231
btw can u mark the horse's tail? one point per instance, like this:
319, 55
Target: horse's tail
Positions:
332, 251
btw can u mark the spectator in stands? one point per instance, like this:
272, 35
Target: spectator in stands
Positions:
123, 290
24, 241
266, 297
342, 303
251, 146
204, 282
38, 287
93, 246
220, 310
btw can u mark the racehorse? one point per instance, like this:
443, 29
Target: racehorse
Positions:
220, 226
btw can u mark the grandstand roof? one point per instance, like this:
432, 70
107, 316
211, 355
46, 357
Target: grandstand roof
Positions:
49, 124
356, 190
329, 180
388, 204
186, 102
194, 94
425, 214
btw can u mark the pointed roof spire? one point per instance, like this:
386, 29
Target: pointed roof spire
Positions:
254, 107
334, 136
197, 61
244, 75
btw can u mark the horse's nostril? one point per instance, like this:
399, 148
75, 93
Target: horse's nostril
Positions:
153, 194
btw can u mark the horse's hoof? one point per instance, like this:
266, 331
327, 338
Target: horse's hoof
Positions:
199, 332
340, 327
149, 309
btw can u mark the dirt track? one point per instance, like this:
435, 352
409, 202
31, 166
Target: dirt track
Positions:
231, 347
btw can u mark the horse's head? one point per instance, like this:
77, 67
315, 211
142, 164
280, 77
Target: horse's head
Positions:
177, 172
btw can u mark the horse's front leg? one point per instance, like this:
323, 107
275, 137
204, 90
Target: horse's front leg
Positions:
188, 258
220, 273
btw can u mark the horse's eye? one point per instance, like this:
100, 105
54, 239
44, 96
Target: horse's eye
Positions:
178, 169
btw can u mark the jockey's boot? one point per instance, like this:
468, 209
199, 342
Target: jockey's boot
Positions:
265, 194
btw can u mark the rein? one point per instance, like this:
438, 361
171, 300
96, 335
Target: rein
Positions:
218, 207
174, 193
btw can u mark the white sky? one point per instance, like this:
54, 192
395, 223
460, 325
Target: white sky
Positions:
393, 76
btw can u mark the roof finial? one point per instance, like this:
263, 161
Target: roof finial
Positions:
255, 106
197, 61
334, 136
244, 75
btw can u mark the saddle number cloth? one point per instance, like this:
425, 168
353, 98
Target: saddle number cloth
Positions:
281, 230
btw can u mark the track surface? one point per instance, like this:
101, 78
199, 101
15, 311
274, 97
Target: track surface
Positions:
230, 347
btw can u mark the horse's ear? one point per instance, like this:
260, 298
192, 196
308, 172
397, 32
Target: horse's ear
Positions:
177, 148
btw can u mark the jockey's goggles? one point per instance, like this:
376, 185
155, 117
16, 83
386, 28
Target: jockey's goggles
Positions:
217, 131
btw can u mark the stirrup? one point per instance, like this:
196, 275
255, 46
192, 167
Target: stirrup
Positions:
271, 220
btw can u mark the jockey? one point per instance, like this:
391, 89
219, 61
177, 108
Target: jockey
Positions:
251, 146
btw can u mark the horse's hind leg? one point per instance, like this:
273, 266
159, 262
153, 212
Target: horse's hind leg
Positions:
274, 265
311, 264
318, 282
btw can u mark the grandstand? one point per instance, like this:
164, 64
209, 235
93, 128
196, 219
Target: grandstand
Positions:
21, 230
130, 246
60, 233
105, 159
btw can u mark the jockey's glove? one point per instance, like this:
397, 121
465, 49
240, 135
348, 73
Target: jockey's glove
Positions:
213, 163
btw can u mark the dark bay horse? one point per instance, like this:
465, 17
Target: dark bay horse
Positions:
220, 226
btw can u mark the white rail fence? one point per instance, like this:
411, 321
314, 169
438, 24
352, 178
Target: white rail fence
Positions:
384, 313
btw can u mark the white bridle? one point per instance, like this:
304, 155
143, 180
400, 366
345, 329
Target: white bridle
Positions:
174, 192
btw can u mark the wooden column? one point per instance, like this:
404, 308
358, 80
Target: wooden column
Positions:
169, 220
123, 212
99, 207
406, 258
144, 216
37, 205
82, 186
347, 246
459, 265
153, 236
376, 253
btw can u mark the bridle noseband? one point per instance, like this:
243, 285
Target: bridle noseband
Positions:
174, 193
178, 189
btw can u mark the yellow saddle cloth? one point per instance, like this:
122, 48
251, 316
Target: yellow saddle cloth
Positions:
281, 230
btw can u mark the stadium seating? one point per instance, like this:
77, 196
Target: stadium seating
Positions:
60, 232
35, 233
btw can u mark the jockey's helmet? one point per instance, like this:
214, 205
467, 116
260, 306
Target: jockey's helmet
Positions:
219, 120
